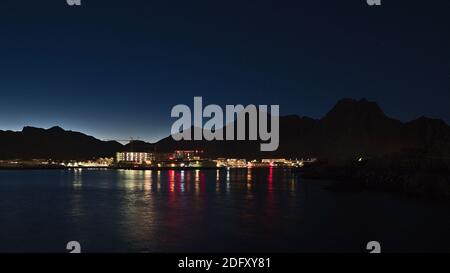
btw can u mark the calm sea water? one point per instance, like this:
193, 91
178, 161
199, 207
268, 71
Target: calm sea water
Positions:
258, 210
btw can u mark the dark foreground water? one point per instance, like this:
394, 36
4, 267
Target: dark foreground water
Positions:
263, 210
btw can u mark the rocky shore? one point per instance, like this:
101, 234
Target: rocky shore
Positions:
431, 181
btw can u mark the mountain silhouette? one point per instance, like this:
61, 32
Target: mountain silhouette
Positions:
54, 143
351, 129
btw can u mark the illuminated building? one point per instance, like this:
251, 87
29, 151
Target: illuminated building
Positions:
135, 157
221, 162
163, 156
231, 163
276, 161
99, 163
188, 154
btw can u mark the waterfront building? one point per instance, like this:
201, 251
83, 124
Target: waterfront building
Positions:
135, 157
188, 154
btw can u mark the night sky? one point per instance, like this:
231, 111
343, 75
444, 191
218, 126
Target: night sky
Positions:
114, 69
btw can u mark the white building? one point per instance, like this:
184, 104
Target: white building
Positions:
135, 157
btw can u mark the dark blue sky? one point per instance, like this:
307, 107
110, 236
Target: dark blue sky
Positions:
114, 69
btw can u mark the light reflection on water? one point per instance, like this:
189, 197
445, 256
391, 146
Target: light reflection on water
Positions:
205, 210
194, 181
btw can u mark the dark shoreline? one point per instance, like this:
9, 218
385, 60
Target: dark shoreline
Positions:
25, 168
130, 168
419, 182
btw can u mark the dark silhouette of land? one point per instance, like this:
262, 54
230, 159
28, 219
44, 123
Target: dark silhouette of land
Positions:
54, 143
352, 129
356, 143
